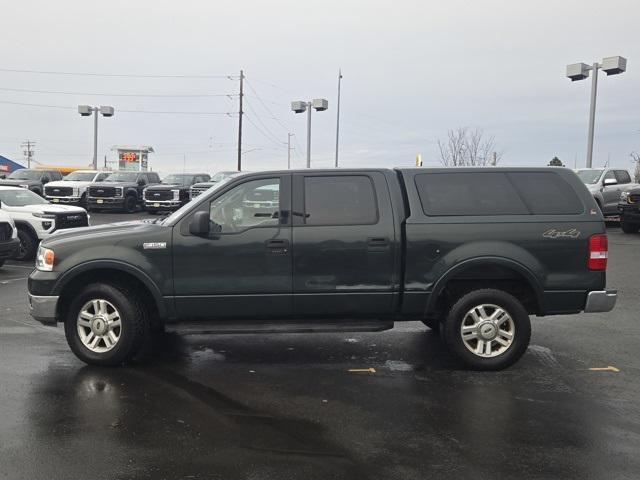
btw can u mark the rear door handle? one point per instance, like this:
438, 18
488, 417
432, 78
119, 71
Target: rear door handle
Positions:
377, 243
277, 245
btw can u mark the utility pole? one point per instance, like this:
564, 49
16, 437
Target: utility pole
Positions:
240, 122
29, 145
289, 135
338, 115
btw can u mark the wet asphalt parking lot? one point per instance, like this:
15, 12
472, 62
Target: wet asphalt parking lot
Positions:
291, 406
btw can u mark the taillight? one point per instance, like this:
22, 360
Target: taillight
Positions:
598, 252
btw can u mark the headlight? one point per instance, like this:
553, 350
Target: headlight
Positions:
24, 186
44, 215
118, 191
624, 197
45, 259
176, 194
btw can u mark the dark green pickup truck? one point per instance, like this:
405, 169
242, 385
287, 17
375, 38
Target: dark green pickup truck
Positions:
471, 252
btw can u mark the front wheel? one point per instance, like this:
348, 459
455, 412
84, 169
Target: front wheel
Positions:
130, 204
106, 325
487, 329
28, 245
627, 227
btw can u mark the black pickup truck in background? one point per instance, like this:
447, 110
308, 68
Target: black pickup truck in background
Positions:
172, 193
120, 191
31, 178
472, 252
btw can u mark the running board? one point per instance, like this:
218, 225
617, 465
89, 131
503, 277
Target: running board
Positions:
238, 327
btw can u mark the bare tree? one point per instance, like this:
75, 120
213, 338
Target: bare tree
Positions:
466, 147
635, 156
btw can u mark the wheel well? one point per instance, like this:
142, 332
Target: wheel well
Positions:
27, 228
114, 277
486, 276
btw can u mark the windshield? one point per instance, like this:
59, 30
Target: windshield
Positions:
20, 198
221, 176
178, 213
589, 176
79, 177
122, 177
24, 174
178, 179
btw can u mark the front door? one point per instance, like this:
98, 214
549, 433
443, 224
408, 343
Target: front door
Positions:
244, 269
343, 245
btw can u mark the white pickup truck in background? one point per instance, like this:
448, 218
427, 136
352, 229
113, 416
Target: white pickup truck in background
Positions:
606, 185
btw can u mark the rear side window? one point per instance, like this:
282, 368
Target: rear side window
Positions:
546, 193
461, 193
340, 200
489, 193
623, 176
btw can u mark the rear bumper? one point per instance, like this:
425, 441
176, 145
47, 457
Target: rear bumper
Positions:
9, 248
601, 301
43, 308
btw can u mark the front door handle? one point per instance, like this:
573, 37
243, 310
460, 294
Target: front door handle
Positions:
378, 243
277, 245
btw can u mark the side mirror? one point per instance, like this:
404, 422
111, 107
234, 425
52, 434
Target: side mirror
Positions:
609, 181
200, 224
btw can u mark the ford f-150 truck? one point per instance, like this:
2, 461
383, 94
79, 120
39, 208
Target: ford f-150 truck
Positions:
471, 252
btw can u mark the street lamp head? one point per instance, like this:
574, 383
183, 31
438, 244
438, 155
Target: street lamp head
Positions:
614, 65
578, 71
84, 110
320, 104
299, 107
106, 111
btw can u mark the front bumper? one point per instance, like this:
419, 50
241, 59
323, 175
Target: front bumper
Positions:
162, 205
105, 203
9, 248
629, 212
601, 301
43, 308
65, 200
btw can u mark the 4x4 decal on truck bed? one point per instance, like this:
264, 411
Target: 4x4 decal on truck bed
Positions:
553, 233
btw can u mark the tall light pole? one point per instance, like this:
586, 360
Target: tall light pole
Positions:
289, 135
580, 71
86, 111
338, 115
319, 104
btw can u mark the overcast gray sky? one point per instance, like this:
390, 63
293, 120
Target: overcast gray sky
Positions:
412, 70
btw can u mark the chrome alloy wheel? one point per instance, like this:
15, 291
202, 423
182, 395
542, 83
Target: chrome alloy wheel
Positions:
487, 330
99, 325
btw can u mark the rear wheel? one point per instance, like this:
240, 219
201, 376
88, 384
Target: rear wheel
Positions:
487, 329
28, 245
106, 325
629, 227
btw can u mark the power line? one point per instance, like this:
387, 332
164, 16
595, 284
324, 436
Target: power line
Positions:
267, 108
268, 137
126, 75
257, 117
54, 92
229, 114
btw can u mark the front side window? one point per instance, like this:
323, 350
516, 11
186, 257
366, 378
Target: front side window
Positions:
251, 204
339, 200
623, 176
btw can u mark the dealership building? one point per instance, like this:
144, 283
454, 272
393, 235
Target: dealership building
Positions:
7, 166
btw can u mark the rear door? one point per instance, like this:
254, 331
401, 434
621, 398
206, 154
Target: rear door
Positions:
343, 245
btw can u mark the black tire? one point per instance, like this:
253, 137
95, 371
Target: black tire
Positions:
130, 203
134, 324
627, 227
28, 245
432, 323
452, 335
